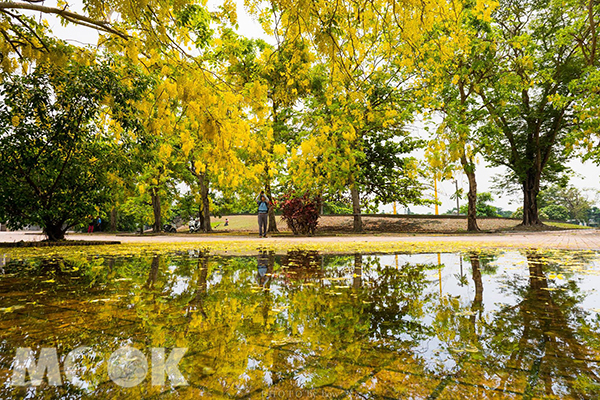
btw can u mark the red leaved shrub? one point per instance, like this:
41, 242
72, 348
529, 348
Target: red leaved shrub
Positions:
301, 213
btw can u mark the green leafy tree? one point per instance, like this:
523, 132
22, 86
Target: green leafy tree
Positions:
355, 137
484, 208
451, 65
555, 211
531, 98
55, 155
283, 73
565, 202
594, 216
364, 94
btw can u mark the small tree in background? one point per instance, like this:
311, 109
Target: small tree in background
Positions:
484, 208
563, 202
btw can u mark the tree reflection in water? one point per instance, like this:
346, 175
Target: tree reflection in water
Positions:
548, 337
311, 325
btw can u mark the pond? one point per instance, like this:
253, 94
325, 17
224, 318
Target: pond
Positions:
472, 325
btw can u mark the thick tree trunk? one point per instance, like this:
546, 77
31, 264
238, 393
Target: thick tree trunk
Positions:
54, 231
205, 206
272, 225
531, 188
469, 169
358, 225
156, 208
113, 219
201, 217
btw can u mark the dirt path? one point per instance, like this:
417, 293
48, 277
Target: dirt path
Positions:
588, 239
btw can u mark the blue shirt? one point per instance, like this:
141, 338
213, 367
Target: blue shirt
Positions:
263, 207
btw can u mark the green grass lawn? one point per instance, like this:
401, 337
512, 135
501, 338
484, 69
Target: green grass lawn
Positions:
240, 223
565, 225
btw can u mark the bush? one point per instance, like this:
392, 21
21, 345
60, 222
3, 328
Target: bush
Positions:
556, 212
518, 213
301, 213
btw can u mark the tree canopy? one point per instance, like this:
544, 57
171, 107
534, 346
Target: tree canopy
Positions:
180, 97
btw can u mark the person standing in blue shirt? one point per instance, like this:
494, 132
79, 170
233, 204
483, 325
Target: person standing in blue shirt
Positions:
263, 213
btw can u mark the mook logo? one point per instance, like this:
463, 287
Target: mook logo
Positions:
127, 366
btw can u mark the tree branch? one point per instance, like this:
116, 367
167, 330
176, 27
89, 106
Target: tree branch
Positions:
71, 16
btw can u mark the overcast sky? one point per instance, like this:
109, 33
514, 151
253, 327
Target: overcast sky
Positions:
587, 175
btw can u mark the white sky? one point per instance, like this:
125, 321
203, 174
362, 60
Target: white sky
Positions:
588, 174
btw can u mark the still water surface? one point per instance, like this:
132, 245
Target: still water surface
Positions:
504, 324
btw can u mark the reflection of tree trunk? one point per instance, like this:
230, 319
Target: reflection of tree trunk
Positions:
202, 277
469, 169
202, 286
110, 263
477, 305
358, 225
266, 284
153, 274
558, 346
357, 275
197, 302
156, 208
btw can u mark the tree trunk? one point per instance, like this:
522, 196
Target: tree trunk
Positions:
201, 214
54, 231
205, 206
358, 225
113, 220
272, 225
531, 188
469, 169
157, 226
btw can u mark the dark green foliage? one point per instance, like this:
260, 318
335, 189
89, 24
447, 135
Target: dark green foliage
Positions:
55, 159
563, 202
594, 216
384, 171
337, 207
555, 212
484, 208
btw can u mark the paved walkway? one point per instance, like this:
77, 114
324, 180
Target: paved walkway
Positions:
585, 239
